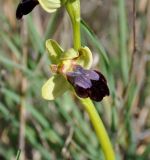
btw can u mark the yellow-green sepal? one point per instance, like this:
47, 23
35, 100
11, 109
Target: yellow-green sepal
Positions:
50, 5
54, 87
85, 58
54, 51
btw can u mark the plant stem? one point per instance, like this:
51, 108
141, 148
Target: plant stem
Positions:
73, 9
76, 37
99, 129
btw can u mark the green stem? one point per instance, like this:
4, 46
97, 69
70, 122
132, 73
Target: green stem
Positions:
73, 9
76, 37
99, 129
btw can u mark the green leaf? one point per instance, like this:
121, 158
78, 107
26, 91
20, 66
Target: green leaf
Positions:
7, 62
54, 50
35, 37
4, 110
54, 87
11, 45
18, 154
123, 32
38, 116
93, 38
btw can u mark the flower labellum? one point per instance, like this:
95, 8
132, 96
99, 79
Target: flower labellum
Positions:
88, 83
25, 7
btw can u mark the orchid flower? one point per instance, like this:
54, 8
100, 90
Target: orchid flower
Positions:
71, 68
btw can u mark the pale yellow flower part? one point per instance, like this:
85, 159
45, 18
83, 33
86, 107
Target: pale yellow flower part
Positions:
50, 5
54, 87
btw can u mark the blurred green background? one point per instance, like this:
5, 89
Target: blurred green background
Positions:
60, 129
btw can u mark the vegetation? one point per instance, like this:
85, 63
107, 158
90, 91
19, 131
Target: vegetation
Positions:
61, 129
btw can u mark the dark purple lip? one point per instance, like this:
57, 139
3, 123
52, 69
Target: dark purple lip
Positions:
88, 83
25, 7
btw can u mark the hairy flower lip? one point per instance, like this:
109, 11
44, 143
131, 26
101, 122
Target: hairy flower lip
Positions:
88, 86
26, 6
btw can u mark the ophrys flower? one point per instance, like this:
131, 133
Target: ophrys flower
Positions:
71, 68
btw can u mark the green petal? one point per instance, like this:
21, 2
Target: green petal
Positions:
50, 5
70, 54
85, 58
55, 51
54, 87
